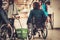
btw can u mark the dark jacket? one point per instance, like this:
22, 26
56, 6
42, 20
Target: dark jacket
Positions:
38, 16
3, 17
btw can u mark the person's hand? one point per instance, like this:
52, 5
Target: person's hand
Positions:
17, 16
9, 25
13, 17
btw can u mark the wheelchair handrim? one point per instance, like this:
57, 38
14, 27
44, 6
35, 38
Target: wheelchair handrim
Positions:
11, 30
45, 33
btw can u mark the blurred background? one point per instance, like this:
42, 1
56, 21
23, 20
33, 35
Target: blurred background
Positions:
23, 8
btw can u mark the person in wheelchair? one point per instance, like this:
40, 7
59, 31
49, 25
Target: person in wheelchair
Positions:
11, 10
5, 20
36, 17
3, 17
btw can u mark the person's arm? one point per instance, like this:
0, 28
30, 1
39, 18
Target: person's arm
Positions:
4, 17
44, 16
44, 8
30, 17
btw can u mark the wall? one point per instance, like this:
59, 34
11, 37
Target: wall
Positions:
56, 9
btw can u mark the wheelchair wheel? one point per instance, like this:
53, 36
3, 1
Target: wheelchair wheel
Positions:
4, 32
29, 35
44, 33
0, 34
30, 31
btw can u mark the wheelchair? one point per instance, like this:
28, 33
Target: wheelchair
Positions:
42, 32
4, 33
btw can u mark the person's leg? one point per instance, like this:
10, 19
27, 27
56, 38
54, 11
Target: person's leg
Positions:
12, 23
50, 21
51, 24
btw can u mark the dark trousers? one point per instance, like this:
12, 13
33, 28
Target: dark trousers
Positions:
50, 21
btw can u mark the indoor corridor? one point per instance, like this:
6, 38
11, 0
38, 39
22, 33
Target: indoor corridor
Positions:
23, 7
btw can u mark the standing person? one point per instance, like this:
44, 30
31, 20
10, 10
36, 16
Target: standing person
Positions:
44, 6
38, 15
49, 13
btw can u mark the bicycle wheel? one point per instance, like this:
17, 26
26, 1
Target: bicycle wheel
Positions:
44, 33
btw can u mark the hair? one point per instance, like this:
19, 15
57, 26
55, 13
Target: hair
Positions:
47, 2
0, 3
43, 1
36, 5
11, 2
